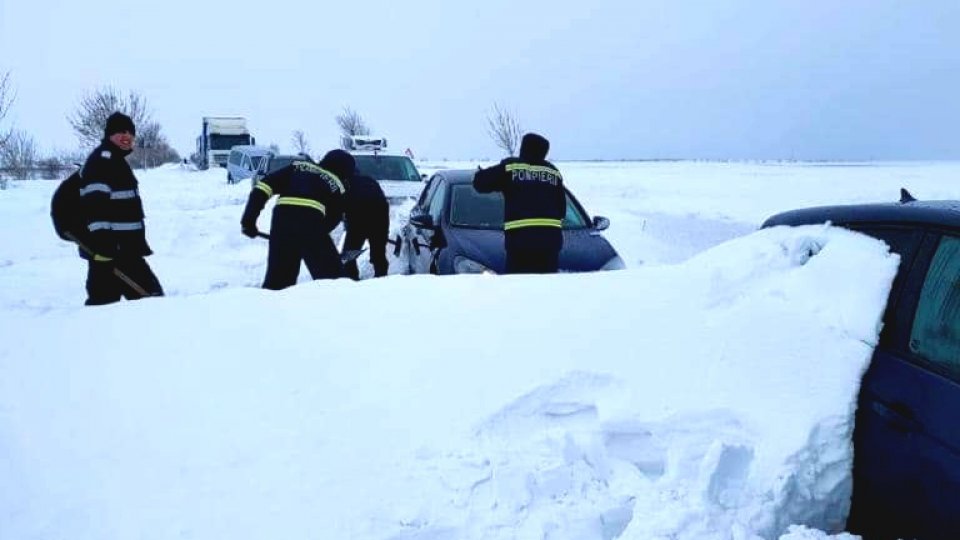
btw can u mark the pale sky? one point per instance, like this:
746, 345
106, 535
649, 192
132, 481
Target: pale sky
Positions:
608, 79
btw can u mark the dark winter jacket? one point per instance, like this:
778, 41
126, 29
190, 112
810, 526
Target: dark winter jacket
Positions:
533, 193
309, 200
367, 217
110, 205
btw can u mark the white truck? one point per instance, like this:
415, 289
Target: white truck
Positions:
218, 135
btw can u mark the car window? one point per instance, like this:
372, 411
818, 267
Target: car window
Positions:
574, 218
428, 192
903, 242
256, 161
382, 167
436, 202
469, 208
935, 335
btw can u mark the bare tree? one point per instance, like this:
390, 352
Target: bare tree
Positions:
51, 167
504, 129
18, 156
151, 147
90, 118
6, 99
300, 143
351, 123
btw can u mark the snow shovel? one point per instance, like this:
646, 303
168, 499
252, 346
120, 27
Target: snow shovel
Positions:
347, 256
116, 271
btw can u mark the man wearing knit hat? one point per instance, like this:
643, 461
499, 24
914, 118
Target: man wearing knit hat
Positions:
111, 236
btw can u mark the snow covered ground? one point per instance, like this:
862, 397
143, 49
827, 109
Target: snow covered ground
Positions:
706, 392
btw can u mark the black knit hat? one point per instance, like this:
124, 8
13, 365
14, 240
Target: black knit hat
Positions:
118, 123
534, 146
339, 163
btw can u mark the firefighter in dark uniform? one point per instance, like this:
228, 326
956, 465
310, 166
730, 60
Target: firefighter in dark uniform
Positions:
309, 205
367, 218
111, 236
534, 205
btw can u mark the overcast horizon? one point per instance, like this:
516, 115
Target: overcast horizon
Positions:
739, 80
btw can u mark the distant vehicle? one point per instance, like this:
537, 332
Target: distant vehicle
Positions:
453, 229
396, 173
272, 163
244, 160
906, 465
218, 134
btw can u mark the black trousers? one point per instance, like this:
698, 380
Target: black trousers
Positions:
286, 252
378, 253
532, 261
129, 278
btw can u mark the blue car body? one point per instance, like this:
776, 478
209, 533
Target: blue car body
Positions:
906, 471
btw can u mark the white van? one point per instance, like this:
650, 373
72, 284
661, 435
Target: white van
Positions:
243, 161
396, 173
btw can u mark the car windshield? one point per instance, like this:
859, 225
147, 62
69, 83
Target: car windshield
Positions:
474, 210
279, 162
381, 167
226, 142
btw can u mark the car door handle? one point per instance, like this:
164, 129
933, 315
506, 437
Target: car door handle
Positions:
898, 415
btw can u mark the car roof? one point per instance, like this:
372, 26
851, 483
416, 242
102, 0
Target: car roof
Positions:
377, 153
457, 176
252, 150
942, 213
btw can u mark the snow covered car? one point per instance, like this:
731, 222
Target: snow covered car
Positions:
243, 162
906, 471
453, 229
396, 173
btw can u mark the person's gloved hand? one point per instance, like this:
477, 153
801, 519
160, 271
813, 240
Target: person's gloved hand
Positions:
249, 229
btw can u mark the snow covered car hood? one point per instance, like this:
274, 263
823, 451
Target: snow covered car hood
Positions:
584, 250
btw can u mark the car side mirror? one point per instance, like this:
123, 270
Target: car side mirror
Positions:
423, 178
601, 223
422, 221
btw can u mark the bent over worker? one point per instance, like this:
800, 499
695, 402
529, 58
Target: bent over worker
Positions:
366, 219
534, 205
309, 205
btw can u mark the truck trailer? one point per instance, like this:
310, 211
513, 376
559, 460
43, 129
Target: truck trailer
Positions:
217, 136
